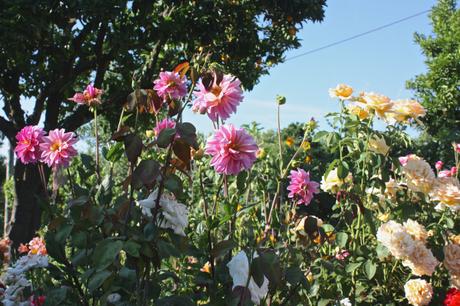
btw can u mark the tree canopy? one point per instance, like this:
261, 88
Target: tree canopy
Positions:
50, 49
438, 87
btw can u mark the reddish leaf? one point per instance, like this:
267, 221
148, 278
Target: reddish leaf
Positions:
182, 68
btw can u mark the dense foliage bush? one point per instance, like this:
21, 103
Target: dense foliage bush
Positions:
162, 216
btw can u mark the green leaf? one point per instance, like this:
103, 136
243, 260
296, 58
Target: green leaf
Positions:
341, 239
56, 296
370, 268
63, 232
293, 275
222, 248
98, 279
106, 252
324, 302
166, 137
145, 173
174, 184
175, 300
352, 266
132, 248
319, 136
257, 271
115, 152
241, 181
343, 170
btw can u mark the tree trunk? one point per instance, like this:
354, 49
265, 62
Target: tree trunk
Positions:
26, 213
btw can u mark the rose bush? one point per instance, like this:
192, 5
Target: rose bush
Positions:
165, 216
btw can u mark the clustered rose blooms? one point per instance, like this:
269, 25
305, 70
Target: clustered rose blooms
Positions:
418, 292
407, 243
56, 150
419, 176
232, 150
301, 187
366, 103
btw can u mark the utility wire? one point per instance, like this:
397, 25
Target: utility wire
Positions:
357, 35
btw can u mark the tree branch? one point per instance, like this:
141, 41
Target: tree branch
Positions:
8, 129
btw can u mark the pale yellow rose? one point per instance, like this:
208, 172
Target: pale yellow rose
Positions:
421, 260
418, 292
378, 145
416, 230
359, 110
332, 182
402, 110
452, 258
418, 175
447, 192
379, 103
341, 91
391, 187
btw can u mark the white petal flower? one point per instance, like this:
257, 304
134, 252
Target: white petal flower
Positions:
174, 214
345, 302
239, 271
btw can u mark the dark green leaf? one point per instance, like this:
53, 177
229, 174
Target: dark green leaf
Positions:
222, 248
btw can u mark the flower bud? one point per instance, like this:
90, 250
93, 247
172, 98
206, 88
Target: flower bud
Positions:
281, 100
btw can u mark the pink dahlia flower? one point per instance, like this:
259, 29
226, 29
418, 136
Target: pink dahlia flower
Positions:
453, 171
170, 85
232, 150
57, 148
90, 96
28, 144
301, 187
164, 124
220, 99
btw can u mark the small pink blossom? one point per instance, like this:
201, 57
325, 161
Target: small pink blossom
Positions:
37, 246
342, 255
28, 144
444, 173
220, 100
301, 187
37, 300
170, 85
453, 171
57, 148
457, 147
439, 164
404, 159
232, 150
164, 124
90, 96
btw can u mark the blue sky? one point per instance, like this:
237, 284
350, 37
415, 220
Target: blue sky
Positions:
381, 61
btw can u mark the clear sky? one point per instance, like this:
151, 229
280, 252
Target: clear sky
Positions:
381, 61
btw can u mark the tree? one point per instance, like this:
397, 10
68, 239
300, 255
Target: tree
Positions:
438, 88
50, 49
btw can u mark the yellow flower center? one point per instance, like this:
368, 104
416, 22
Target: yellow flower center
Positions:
216, 90
55, 146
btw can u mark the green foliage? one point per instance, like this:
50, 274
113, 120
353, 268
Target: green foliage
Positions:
437, 88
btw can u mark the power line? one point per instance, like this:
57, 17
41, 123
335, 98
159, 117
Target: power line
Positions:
357, 35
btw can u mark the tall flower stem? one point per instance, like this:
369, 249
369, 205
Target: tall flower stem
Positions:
279, 137
96, 135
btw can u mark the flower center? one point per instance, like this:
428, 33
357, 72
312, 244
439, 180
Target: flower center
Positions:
55, 146
171, 84
216, 90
